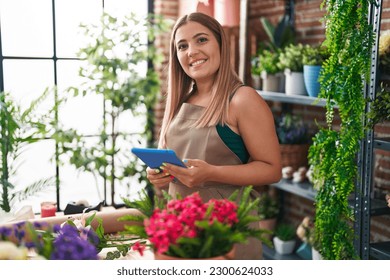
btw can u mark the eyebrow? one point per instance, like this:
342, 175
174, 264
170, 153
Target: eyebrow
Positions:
193, 37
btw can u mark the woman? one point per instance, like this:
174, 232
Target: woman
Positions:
223, 129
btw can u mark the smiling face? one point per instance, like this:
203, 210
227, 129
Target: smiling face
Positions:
198, 51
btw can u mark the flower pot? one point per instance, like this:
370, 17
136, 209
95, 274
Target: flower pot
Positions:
315, 254
228, 256
256, 81
227, 12
283, 247
270, 82
310, 76
295, 84
294, 155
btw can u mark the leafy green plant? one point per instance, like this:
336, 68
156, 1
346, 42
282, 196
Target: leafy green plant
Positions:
292, 58
380, 108
268, 62
314, 55
114, 57
349, 40
285, 232
198, 230
19, 129
280, 35
268, 206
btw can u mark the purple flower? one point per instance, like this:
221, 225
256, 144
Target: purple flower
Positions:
5, 232
68, 245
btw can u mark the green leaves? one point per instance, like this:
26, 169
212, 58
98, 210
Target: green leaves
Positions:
349, 41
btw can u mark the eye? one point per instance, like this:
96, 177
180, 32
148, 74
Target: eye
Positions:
181, 47
202, 39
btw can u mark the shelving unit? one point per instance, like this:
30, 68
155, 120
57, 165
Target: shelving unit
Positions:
362, 202
304, 189
366, 207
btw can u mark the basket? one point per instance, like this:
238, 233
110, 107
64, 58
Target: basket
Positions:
294, 155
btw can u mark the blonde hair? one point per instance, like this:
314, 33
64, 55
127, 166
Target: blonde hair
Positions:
180, 85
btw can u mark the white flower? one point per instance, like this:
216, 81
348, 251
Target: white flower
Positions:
9, 251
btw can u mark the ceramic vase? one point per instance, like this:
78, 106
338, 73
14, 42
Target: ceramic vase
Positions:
295, 84
283, 247
311, 74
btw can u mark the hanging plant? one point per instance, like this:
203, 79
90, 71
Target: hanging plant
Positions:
349, 40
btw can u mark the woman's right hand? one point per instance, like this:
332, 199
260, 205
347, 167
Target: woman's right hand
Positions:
158, 178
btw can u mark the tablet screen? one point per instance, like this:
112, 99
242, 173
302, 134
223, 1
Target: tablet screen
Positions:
154, 158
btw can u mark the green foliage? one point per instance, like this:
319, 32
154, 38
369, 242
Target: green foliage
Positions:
214, 238
268, 206
114, 56
292, 58
279, 36
18, 130
349, 41
380, 108
314, 55
285, 232
268, 61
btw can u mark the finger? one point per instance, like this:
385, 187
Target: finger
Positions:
190, 163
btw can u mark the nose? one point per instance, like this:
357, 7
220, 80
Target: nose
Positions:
192, 50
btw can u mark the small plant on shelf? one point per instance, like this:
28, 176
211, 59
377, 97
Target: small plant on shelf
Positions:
268, 207
291, 129
285, 232
314, 55
292, 58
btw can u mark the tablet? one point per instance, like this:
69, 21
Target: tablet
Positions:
154, 158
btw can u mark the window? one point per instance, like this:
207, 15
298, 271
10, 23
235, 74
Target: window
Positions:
39, 44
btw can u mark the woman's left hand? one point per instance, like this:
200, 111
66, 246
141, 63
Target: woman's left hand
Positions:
195, 174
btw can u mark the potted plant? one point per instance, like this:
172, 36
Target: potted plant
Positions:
268, 211
188, 228
279, 37
19, 129
313, 57
269, 70
294, 140
284, 240
291, 62
255, 72
113, 73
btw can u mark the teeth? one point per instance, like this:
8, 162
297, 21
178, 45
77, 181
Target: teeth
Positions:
198, 62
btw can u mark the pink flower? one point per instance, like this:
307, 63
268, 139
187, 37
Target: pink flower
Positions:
139, 247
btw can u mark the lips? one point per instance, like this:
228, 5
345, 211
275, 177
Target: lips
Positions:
198, 62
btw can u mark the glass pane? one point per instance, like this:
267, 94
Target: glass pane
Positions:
128, 187
34, 163
74, 114
79, 186
69, 15
26, 28
26, 80
125, 7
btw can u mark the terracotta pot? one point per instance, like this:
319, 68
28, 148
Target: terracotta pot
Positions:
228, 256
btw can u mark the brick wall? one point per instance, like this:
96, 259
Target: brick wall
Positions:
310, 30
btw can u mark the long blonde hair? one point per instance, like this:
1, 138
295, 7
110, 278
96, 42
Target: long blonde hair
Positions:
180, 85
